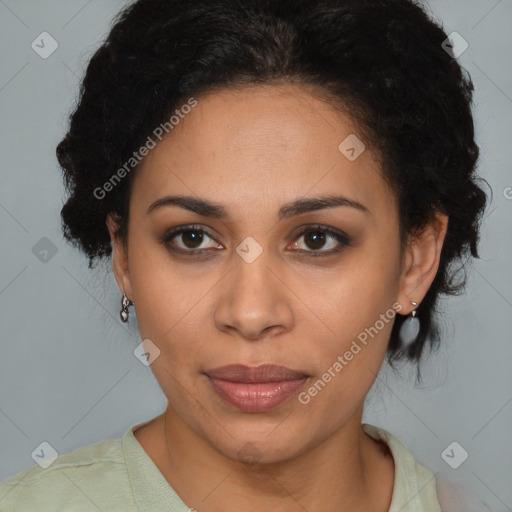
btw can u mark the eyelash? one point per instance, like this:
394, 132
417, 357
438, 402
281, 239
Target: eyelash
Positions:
340, 237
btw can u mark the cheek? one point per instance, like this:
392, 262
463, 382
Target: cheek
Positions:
164, 295
353, 296
348, 363
171, 313
358, 308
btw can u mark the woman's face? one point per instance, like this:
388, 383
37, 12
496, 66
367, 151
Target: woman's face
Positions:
248, 287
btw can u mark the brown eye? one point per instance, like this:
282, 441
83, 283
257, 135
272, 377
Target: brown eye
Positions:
189, 239
320, 241
192, 239
314, 239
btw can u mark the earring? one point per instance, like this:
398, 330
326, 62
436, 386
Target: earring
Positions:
125, 304
410, 328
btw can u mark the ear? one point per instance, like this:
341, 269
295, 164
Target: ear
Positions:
421, 262
119, 257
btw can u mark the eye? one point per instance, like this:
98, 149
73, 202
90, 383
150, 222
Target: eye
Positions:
318, 241
189, 239
321, 240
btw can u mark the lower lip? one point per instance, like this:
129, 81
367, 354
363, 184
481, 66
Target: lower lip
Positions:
256, 397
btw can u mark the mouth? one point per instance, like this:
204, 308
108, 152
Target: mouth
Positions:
256, 388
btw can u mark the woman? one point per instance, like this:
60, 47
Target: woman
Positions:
282, 187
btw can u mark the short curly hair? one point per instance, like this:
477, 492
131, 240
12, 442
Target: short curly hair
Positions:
382, 60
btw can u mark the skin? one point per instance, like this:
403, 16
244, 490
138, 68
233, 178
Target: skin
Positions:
253, 150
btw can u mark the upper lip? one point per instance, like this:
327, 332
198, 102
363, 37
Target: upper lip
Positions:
254, 374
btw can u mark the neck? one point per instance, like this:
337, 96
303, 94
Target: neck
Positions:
347, 471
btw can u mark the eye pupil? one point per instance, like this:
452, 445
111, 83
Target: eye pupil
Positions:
317, 238
195, 237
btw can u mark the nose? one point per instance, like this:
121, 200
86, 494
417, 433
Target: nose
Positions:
254, 302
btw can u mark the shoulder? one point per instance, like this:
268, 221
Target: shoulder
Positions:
417, 488
458, 496
80, 480
415, 485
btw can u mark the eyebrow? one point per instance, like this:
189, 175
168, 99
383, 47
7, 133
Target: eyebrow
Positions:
215, 210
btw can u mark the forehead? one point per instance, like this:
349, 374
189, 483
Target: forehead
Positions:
279, 141
269, 123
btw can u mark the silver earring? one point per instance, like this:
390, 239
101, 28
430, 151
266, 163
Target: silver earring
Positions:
410, 328
125, 304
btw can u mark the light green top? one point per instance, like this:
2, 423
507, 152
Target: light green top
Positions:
118, 475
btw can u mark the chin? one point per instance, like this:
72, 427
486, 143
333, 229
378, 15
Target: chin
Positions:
261, 448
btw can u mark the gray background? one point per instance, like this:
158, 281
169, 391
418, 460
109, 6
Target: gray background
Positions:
68, 375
